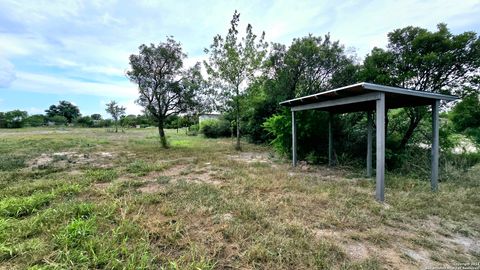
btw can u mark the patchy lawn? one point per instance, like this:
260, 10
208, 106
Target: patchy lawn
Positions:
86, 198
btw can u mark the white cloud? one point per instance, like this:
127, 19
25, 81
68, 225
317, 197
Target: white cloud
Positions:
132, 107
50, 84
7, 73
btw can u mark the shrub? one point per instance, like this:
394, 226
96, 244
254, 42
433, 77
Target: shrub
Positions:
193, 130
13, 119
215, 128
58, 120
36, 120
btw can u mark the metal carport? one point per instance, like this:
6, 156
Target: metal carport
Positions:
371, 97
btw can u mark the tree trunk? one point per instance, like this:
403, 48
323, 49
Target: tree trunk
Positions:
238, 146
161, 132
414, 121
116, 127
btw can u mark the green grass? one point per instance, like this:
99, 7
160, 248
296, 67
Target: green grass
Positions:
201, 205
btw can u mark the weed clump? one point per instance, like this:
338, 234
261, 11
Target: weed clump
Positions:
11, 162
22, 206
102, 175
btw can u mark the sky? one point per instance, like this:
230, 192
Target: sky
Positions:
78, 50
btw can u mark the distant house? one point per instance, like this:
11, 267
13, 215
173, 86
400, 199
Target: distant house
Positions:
208, 116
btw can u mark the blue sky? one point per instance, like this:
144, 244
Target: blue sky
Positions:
78, 50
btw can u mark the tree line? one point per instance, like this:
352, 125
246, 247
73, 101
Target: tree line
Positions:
66, 113
247, 77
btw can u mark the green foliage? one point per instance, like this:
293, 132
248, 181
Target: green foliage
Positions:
36, 120
180, 121
65, 109
135, 120
309, 65
116, 111
193, 130
58, 120
13, 119
279, 126
419, 59
474, 133
85, 121
96, 117
213, 128
466, 114
233, 62
165, 88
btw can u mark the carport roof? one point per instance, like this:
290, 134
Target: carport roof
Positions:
395, 97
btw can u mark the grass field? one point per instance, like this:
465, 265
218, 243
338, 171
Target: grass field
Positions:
87, 198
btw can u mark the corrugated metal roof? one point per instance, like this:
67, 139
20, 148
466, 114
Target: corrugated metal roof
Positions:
396, 96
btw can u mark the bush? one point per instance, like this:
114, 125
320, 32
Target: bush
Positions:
84, 121
215, 128
193, 130
58, 120
13, 119
36, 120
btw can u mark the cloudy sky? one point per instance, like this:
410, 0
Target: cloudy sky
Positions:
78, 50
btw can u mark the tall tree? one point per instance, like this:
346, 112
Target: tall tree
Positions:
232, 63
415, 58
96, 117
165, 87
65, 109
115, 111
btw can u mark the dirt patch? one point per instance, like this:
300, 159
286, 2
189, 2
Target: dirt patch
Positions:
74, 172
357, 251
251, 157
175, 170
323, 173
151, 188
184, 172
467, 244
419, 256
64, 159
203, 177
101, 186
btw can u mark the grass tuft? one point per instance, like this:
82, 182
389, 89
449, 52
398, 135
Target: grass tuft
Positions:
22, 206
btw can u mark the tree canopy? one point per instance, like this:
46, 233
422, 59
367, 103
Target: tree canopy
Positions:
418, 59
233, 63
65, 109
116, 111
164, 86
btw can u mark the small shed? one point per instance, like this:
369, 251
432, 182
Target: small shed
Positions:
371, 97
